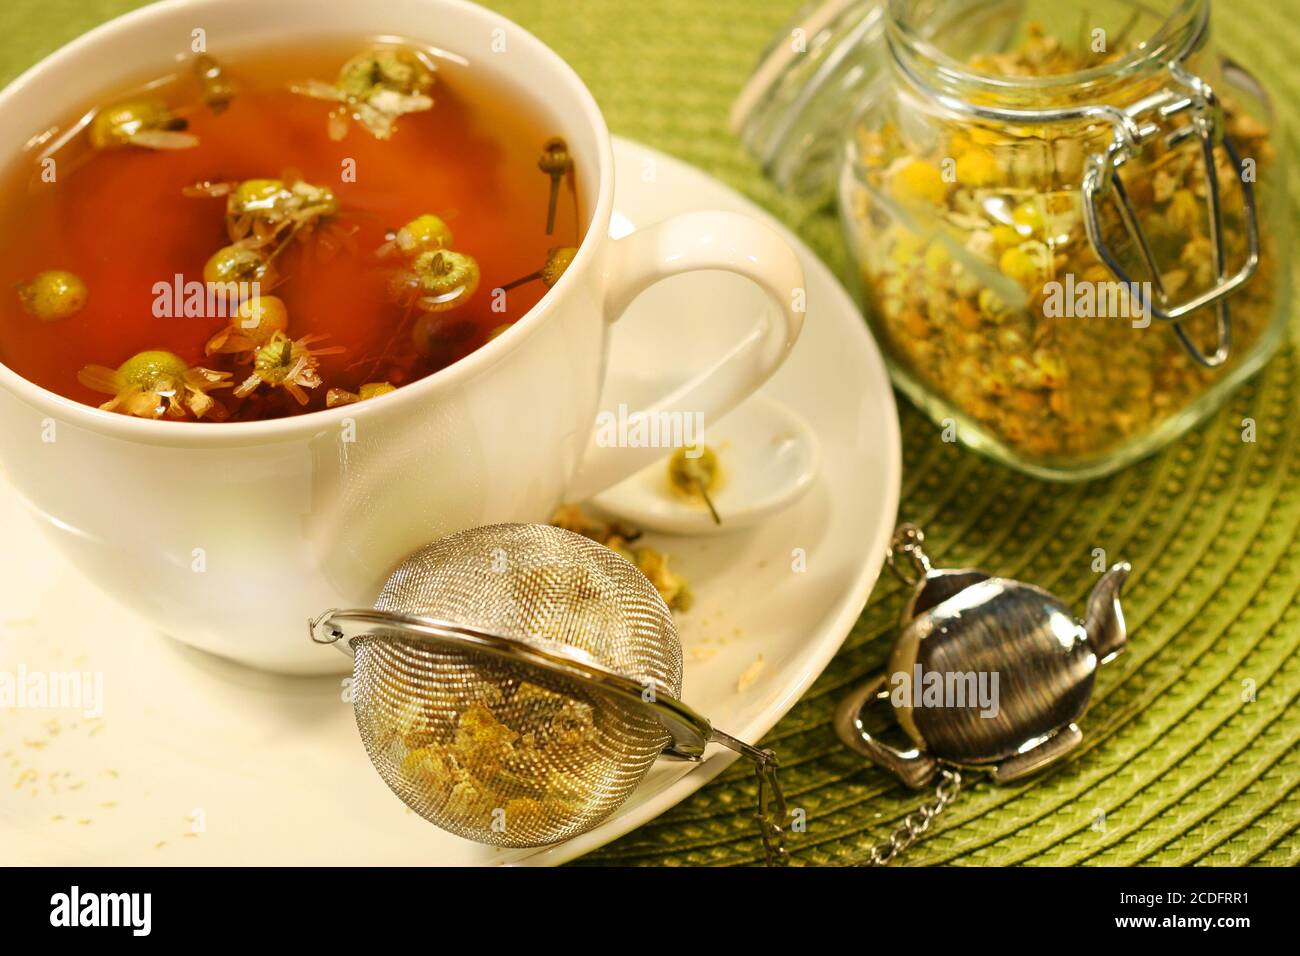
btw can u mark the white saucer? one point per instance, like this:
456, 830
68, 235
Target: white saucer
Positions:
199, 761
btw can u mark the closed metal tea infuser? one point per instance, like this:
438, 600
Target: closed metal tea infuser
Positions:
514, 683
963, 634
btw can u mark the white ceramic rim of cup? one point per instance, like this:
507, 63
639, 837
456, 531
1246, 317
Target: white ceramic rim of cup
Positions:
193, 434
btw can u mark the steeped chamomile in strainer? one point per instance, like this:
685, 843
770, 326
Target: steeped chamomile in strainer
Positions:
514, 683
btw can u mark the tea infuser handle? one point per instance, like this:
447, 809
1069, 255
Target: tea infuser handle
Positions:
914, 767
697, 242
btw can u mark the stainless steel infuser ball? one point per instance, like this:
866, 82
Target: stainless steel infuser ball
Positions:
514, 683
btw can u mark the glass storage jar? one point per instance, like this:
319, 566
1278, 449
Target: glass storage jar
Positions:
1066, 215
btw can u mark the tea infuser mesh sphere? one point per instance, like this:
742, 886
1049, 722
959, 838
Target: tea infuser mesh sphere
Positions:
483, 747
514, 683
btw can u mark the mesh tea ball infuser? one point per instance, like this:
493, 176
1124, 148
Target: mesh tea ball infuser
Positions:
514, 683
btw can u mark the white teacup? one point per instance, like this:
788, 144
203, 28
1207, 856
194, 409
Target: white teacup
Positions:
229, 537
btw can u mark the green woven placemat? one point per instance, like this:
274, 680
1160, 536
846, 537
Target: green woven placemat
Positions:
1184, 769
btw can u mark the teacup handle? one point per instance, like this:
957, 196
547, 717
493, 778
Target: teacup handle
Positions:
694, 242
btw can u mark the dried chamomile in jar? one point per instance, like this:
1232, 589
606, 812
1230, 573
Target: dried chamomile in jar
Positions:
988, 289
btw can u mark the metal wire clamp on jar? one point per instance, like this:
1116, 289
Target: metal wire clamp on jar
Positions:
1135, 126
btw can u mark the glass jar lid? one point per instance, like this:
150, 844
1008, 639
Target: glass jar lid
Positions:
820, 73
808, 86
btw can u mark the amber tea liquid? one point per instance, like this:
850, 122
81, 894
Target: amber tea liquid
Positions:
118, 219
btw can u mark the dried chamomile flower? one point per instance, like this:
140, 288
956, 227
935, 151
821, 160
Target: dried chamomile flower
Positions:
424, 233
672, 587
255, 321
977, 167
291, 364
465, 766
385, 69
488, 766
218, 90
53, 295
436, 281
157, 383
693, 472
558, 260
146, 123
573, 518
240, 263
559, 721
259, 211
1028, 264
482, 743
917, 180
375, 88
556, 163
339, 396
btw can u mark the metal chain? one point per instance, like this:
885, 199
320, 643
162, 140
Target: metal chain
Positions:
772, 810
918, 821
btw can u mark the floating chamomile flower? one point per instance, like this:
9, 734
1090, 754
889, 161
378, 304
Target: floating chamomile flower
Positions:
375, 88
436, 281
146, 123
259, 211
422, 234
339, 396
240, 263
53, 295
555, 162
558, 260
157, 383
255, 321
218, 91
291, 364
